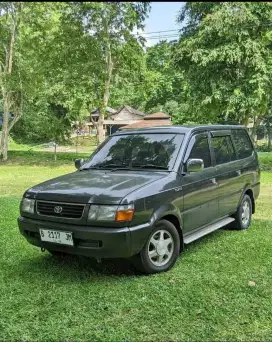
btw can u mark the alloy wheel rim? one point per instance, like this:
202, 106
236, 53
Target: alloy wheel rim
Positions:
160, 247
245, 212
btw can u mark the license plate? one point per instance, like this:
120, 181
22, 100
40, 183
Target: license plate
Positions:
56, 236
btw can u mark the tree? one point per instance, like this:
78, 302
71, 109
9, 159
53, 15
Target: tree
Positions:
12, 96
26, 32
179, 112
44, 122
168, 83
156, 85
48, 69
225, 52
104, 34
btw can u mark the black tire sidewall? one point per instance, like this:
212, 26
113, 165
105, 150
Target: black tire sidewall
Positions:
147, 265
240, 223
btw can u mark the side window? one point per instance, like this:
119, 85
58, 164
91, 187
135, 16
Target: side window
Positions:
201, 150
242, 143
223, 149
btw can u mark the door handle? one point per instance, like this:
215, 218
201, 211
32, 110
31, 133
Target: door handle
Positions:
214, 181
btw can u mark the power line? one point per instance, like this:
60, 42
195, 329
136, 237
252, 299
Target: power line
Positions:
165, 36
176, 30
158, 36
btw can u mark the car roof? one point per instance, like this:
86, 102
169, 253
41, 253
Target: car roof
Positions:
185, 129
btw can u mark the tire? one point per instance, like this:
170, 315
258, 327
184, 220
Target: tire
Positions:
161, 250
243, 214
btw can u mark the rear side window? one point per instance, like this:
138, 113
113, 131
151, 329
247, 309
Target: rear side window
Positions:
242, 143
223, 149
201, 150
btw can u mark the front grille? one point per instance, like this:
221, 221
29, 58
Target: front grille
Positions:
68, 210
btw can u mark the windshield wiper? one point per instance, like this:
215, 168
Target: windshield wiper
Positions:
90, 168
151, 166
105, 166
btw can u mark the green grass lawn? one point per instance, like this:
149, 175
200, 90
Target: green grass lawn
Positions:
84, 144
265, 159
205, 297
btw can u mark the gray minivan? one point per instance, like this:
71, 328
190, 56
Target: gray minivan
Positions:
145, 193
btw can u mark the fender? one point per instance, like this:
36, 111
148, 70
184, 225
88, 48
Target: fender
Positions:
141, 233
165, 210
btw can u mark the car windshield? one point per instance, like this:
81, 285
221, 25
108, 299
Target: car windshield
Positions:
142, 151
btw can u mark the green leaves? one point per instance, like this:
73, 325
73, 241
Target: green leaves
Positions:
225, 53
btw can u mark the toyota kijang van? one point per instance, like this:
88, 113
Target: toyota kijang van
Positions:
144, 194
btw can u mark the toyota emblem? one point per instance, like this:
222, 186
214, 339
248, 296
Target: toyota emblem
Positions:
58, 209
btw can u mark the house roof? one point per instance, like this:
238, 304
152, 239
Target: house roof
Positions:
154, 116
147, 123
131, 110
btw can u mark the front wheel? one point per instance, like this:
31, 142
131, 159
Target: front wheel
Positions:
161, 249
243, 214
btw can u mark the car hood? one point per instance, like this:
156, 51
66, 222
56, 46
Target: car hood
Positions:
93, 186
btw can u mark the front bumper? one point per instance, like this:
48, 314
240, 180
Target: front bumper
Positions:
89, 241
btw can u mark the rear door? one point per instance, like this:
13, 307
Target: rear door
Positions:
247, 162
200, 204
227, 172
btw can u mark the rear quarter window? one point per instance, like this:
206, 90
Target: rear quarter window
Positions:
223, 149
242, 143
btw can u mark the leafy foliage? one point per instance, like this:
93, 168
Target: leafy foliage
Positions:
71, 52
225, 51
81, 55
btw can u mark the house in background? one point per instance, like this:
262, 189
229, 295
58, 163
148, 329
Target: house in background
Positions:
116, 119
151, 120
95, 113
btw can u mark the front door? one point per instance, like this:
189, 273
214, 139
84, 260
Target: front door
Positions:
200, 202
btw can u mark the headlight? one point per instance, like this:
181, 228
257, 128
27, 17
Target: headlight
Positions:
122, 213
27, 205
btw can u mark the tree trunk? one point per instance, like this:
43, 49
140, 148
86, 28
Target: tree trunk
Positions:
5, 131
256, 123
106, 95
7, 70
100, 130
55, 152
269, 137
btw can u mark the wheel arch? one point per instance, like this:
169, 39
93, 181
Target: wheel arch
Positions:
176, 222
249, 192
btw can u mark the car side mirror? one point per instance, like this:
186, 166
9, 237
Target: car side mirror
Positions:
79, 163
195, 165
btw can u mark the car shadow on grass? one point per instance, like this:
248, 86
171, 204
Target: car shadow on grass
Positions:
74, 267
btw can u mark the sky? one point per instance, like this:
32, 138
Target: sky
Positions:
162, 17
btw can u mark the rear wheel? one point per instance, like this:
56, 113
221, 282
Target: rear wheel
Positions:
243, 214
161, 249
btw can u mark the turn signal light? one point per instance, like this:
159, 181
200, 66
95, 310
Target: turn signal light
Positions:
124, 213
